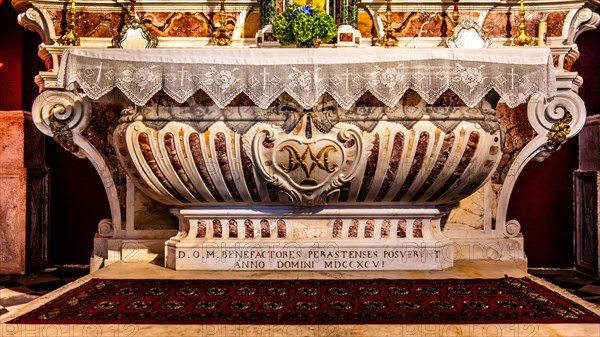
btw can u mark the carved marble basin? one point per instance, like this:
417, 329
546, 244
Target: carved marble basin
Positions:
412, 154
266, 154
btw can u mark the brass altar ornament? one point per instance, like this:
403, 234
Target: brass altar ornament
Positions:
559, 133
522, 39
70, 38
388, 39
297, 160
222, 37
455, 13
61, 132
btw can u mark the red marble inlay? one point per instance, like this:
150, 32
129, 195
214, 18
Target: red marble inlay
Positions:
517, 132
223, 159
144, 144
233, 229
337, 228
423, 24
395, 160
448, 98
369, 229
499, 24
265, 228
385, 228
464, 162
281, 229
201, 229
217, 228
353, 229
201, 166
415, 167
438, 166
401, 230
418, 229
174, 159
160, 24
249, 227
369, 170
248, 170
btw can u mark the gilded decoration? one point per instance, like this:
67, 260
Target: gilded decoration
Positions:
523, 38
559, 133
222, 36
388, 39
71, 38
61, 132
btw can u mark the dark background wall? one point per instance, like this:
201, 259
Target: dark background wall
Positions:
77, 198
542, 199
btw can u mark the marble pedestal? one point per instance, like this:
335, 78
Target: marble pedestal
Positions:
332, 238
23, 194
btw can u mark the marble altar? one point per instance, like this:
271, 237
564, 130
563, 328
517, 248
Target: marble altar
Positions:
246, 158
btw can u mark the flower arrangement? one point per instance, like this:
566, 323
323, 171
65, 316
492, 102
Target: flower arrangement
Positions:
304, 26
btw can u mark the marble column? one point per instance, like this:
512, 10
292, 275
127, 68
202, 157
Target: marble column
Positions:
23, 194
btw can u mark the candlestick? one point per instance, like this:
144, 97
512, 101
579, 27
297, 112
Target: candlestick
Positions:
455, 13
388, 39
222, 37
522, 39
70, 38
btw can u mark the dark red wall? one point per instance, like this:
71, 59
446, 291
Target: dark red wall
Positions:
11, 53
78, 201
542, 200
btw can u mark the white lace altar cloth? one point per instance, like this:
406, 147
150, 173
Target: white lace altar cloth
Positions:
306, 74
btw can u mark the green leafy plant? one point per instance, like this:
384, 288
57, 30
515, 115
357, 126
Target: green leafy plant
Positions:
304, 26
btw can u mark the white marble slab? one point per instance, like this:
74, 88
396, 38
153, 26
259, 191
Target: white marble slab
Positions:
311, 255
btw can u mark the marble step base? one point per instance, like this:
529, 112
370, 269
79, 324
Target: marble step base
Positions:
310, 255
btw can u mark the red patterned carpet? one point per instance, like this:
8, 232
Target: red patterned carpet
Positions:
506, 300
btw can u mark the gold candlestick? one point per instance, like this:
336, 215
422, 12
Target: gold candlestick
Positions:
222, 37
388, 39
522, 39
70, 38
455, 13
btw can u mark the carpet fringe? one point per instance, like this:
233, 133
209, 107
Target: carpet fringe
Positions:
566, 294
